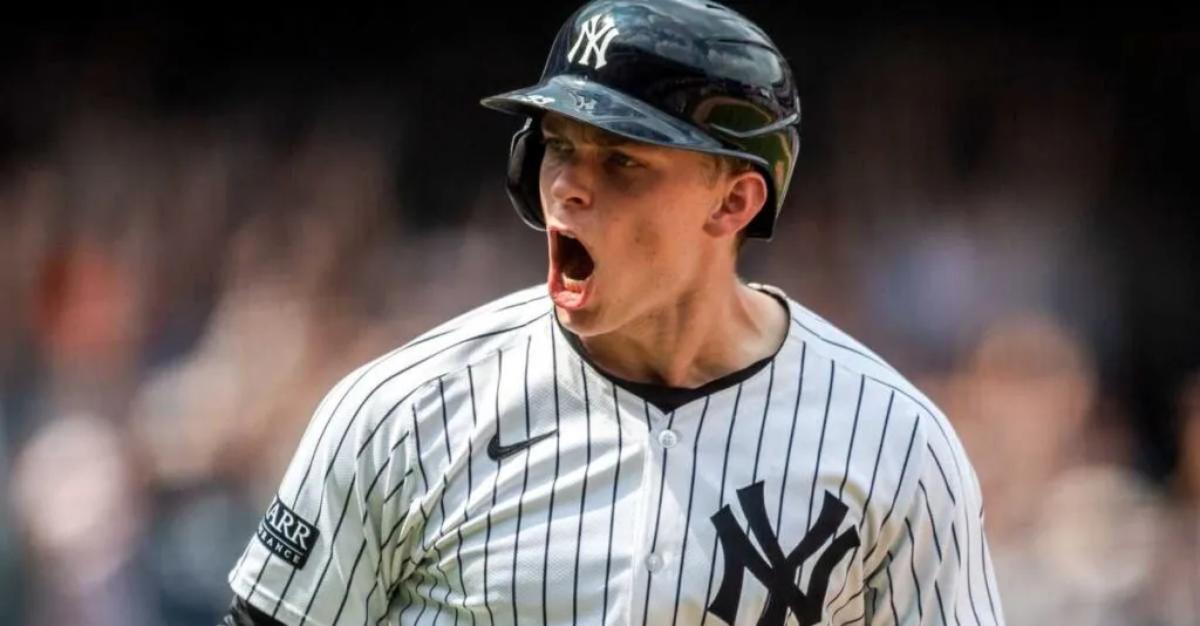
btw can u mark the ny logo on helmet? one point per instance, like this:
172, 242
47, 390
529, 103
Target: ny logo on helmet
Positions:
595, 35
535, 99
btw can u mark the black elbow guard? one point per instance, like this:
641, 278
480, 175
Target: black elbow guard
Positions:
242, 614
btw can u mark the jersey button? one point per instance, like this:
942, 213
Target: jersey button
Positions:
668, 438
654, 562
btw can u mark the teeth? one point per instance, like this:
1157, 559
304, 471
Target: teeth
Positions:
567, 235
573, 285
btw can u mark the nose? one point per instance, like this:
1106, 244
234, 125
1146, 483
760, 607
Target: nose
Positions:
570, 184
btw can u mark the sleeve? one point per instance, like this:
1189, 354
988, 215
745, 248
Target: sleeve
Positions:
330, 548
936, 569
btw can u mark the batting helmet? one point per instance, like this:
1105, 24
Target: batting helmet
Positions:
677, 73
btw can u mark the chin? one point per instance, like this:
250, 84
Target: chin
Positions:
593, 321
581, 322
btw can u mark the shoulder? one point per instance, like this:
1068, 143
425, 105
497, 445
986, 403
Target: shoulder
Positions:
916, 437
369, 403
451, 345
907, 459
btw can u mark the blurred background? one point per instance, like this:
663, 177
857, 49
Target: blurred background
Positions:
206, 220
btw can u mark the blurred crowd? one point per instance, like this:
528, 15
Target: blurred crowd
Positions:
180, 289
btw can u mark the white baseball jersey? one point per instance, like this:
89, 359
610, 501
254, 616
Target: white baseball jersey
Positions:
487, 473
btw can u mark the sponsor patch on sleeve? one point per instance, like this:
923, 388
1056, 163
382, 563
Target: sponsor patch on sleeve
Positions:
286, 534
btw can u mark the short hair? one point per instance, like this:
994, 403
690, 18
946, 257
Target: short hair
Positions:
723, 164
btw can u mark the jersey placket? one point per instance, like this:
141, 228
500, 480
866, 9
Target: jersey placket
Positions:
656, 551
653, 526
639, 467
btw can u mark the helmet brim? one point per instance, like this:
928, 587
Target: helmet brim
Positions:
591, 103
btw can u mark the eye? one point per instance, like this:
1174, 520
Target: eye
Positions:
556, 145
624, 161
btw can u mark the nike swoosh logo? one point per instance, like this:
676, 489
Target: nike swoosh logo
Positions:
497, 451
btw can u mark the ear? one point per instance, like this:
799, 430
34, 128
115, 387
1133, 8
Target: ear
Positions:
745, 195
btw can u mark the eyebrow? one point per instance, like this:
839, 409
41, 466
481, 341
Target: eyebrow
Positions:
591, 134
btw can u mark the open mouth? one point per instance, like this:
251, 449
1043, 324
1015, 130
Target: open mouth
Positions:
571, 270
572, 258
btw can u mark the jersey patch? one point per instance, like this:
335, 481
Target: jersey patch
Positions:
286, 534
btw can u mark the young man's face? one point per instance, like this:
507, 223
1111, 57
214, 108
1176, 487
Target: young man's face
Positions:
626, 224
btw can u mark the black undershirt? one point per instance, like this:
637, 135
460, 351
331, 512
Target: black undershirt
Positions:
667, 398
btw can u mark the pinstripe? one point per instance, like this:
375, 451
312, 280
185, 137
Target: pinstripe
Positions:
941, 607
333, 541
912, 553
762, 427
487, 540
812, 496
967, 573
612, 516
470, 486
887, 417
442, 504
787, 457
945, 481
587, 466
524, 486
862, 383
554, 481
891, 592
712, 567
899, 483
986, 584
846, 603
937, 544
366, 498
353, 568
388, 539
688, 518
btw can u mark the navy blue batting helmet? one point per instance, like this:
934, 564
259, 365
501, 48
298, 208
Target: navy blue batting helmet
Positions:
678, 73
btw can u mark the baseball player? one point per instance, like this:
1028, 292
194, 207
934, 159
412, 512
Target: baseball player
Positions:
645, 439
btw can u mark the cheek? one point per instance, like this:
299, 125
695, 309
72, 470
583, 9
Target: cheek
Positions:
656, 248
674, 228
659, 233
646, 239
545, 178
646, 231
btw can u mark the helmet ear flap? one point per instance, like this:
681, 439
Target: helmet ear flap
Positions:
524, 165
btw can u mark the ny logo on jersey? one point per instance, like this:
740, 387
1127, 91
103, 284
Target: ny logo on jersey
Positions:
778, 572
595, 35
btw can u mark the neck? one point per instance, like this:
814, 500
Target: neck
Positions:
708, 333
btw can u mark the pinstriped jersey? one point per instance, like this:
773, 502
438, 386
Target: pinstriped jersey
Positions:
487, 473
